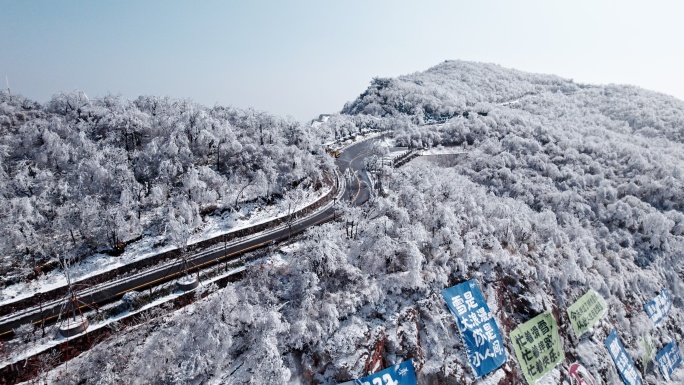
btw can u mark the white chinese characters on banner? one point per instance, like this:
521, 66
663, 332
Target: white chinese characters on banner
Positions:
484, 344
625, 366
401, 374
668, 359
659, 307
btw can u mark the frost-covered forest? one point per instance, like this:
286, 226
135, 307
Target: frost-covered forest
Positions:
80, 176
562, 187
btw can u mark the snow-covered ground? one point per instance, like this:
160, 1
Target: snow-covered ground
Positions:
440, 150
278, 259
359, 138
54, 339
249, 215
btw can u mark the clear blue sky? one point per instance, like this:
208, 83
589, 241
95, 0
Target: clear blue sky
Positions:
302, 58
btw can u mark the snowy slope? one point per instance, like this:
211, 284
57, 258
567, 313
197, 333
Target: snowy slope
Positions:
82, 177
569, 188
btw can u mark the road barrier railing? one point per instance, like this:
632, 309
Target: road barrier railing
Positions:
170, 255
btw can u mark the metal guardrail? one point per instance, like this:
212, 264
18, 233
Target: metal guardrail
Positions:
48, 297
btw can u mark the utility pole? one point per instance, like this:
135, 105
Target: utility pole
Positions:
8, 88
42, 318
381, 174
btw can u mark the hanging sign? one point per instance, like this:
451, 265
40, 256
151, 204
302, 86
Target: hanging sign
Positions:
400, 374
668, 358
647, 345
625, 366
586, 312
537, 346
480, 334
659, 307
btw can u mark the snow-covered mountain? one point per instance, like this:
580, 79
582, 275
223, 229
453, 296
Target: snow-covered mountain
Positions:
560, 188
454, 87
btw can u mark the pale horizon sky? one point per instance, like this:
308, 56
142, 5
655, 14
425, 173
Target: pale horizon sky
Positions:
304, 58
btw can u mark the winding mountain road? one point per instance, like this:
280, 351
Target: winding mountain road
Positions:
351, 161
357, 192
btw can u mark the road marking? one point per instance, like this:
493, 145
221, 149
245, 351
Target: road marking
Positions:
358, 181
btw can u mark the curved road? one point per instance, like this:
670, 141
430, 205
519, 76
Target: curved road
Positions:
357, 192
351, 162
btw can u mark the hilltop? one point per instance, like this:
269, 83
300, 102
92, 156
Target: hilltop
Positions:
454, 87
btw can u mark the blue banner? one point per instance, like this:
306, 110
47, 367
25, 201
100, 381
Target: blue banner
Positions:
659, 307
625, 366
668, 359
401, 374
478, 328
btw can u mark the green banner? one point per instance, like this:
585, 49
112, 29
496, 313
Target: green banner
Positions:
537, 346
649, 348
586, 312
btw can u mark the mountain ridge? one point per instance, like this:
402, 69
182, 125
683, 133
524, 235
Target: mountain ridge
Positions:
456, 86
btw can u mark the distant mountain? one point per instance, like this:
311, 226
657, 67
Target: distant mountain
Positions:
454, 87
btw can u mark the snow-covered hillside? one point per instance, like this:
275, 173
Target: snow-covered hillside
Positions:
454, 87
562, 188
80, 176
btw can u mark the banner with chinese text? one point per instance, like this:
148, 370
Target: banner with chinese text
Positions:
537, 346
625, 366
668, 358
648, 348
481, 336
586, 312
659, 307
400, 374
